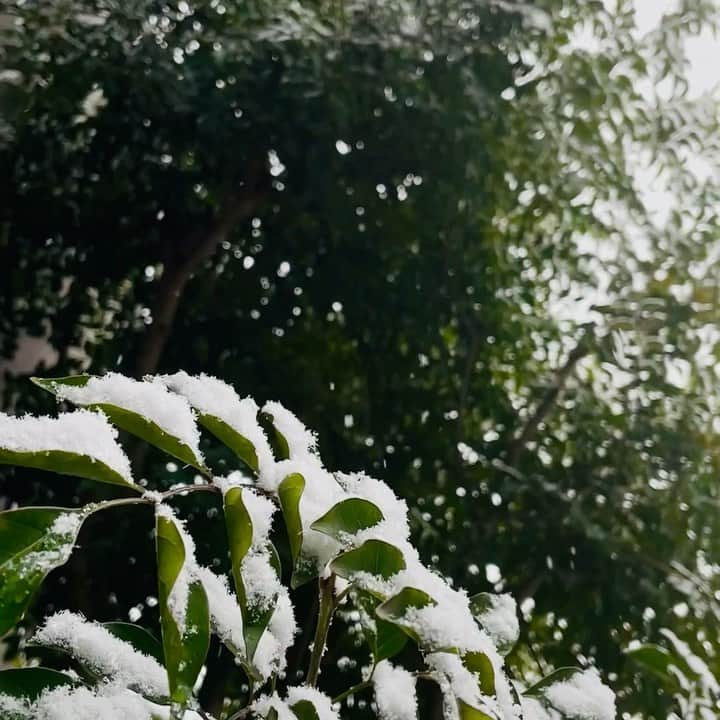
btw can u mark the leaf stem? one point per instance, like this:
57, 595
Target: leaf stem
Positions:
325, 612
182, 489
351, 691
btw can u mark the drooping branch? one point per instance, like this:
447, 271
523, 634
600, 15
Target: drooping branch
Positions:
187, 256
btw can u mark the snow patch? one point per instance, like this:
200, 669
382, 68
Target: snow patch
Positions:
149, 398
583, 696
395, 693
104, 653
81, 432
211, 396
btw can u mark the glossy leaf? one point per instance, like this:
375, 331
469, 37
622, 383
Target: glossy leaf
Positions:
348, 517
141, 639
277, 440
239, 533
65, 463
467, 712
373, 556
394, 608
289, 493
31, 682
33, 541
557, 676
184, 649
305, 710
227, 435
130, 421
384, 638
480, 664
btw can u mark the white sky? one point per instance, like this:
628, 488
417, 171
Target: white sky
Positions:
703, 51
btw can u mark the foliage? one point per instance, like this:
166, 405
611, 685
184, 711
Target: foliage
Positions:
430, 234
353, 539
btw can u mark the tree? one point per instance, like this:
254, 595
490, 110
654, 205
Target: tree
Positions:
348, 531
463, 210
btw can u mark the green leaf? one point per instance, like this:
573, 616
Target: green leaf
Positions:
656, 660
130, 421
348, 517
289, 493
275, 559
560, 675
33, 541
479, 663
227, 435
240, 532
393, 610
384, 638
305, 710
277, 440
467, 712
66, 463
373, 556
184, 649
141, 639
50, 383
31, 682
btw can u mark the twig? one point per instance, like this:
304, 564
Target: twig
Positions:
351, 691
546, 404
325, 613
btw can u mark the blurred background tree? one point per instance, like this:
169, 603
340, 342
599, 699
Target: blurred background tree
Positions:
426, 230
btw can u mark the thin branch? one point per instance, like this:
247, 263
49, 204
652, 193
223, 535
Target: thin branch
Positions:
351, 691
325, 613
185, 258
529, 430
183, 489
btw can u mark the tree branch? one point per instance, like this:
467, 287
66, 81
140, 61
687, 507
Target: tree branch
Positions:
529, 430
183, 259
325, 613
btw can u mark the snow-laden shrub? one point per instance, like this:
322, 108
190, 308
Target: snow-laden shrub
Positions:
347, 532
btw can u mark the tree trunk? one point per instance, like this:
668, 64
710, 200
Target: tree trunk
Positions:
184, 259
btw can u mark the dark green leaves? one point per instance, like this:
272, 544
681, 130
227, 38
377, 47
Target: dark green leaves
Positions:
30, 683
479, 663
277, 440
185, 640
147, 430
141, 639
128, 419
289, 494
80, 444
467, 712
239, 532
305, 710
347, 518
240, 537
33, 541
373, 556
393, 610
557, 676
385, 638
227, 435
65, 463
